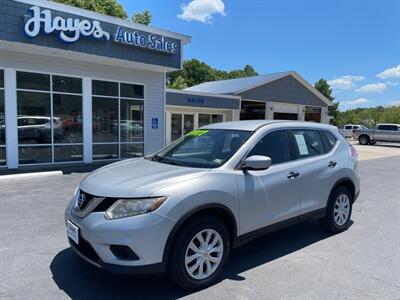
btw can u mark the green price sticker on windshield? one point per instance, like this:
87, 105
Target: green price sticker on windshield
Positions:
198, 132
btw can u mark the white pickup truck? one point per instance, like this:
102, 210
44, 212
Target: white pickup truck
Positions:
349, 129
381, 133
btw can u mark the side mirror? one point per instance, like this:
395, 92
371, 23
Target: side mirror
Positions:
257, 162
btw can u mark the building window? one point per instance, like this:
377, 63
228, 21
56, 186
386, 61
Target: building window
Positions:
2, 122
251, 110
312, 114
181, 124
285, 116
206, 119
117, 112
49, 111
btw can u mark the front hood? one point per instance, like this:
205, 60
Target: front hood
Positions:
136, 178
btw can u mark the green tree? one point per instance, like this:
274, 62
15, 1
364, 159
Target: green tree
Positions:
196, 72
142, 18
179, 83
324, 88
106, 7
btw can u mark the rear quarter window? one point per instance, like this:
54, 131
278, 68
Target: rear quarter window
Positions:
329, 140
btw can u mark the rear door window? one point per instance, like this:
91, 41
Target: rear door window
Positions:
308, 143
388, 127
347, 127
274, 145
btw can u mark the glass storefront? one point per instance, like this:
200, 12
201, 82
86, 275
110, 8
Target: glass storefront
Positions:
206, 119
49, 109
117, 112
182, 123
2, 122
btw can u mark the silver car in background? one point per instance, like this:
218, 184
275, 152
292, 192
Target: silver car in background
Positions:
383, 132
183, 209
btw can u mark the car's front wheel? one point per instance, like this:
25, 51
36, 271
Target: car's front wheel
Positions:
200, 252
338, 211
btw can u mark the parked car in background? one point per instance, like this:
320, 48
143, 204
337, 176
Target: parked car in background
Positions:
182, 209
349, 129
384, 132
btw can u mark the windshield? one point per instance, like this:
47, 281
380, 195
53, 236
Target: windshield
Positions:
203, 148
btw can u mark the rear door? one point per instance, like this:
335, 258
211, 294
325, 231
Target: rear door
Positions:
383, 133
316, 167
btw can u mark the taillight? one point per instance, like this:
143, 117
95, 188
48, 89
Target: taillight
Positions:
353, 152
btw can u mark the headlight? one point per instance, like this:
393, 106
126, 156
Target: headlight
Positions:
73, 199
132, 207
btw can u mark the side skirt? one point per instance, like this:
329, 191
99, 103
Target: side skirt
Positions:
247, 237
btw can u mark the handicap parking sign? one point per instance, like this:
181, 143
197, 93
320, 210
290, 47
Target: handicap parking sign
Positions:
154, 123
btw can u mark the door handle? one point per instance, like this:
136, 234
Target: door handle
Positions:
293, 175
332, 164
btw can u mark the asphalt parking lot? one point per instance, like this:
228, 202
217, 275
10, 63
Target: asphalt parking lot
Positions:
299, 262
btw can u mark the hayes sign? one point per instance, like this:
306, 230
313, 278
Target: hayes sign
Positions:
71, 30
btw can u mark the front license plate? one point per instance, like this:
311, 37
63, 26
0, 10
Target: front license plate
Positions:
73, 232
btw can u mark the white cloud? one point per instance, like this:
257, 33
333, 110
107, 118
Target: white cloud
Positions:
372, 87
346, 82
390, 73
394, 103
392, 83
358, 101
202, 10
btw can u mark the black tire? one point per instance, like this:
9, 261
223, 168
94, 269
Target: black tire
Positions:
328, 222
364, 140
176, 264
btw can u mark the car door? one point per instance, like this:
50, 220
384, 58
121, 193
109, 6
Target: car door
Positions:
382, 133
348, 129
393, 133
316, 168
272, 195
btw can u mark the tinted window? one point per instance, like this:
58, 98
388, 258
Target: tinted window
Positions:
33, 81
388, 127
329, 139
274, 145
309, 143
132, 90
347, 127
104, 88
1, 78
67, 84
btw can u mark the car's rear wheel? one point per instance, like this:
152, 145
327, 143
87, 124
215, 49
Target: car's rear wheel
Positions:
338, 211
200, 252
363, 140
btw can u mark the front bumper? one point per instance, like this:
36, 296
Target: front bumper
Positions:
119, 269
145, 235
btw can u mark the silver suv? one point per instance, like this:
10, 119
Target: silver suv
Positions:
184, 208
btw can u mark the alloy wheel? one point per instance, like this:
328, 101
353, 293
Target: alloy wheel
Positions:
341, 210
204, 254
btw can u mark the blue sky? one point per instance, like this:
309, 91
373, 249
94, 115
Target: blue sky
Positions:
355, 44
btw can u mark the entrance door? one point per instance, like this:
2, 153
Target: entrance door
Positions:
180, 125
